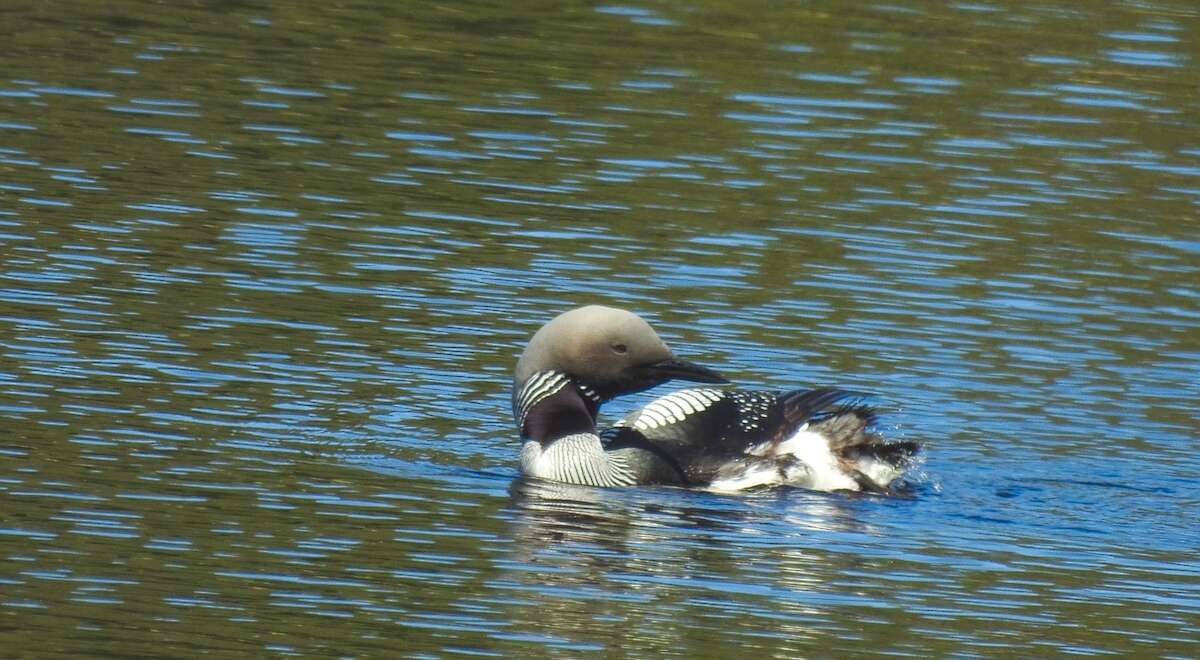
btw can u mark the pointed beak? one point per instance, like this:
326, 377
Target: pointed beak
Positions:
683, 370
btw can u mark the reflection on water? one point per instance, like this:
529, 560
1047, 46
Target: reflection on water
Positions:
264, 272
658, 546
549, 513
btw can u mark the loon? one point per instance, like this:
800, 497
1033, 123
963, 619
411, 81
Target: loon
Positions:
703, 437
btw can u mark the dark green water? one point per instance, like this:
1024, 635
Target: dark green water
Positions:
265, 270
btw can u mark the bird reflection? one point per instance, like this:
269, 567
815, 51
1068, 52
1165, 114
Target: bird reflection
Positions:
546, 513
621, 553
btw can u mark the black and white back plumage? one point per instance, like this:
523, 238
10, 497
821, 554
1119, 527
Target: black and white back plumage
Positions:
738, 439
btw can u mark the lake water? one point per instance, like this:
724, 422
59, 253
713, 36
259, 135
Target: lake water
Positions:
265, 271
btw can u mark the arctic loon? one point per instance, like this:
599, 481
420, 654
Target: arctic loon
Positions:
722, 439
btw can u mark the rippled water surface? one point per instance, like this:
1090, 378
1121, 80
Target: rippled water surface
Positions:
264, 272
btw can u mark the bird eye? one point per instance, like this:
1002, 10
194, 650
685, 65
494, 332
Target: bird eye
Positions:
620, 348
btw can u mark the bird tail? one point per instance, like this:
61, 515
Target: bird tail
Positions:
862, 453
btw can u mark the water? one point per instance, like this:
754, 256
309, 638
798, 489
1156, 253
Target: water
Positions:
264, 272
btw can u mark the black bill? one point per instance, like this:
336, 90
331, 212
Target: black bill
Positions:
683, 370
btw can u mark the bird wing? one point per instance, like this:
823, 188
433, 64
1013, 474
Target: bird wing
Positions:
697, 429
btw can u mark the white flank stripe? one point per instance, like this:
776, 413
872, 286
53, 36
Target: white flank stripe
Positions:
761, 474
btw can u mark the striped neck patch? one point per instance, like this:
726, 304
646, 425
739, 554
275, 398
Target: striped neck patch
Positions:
539, 386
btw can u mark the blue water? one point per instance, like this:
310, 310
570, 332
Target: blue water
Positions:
265, 272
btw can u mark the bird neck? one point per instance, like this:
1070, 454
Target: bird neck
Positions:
551, 405
557, 418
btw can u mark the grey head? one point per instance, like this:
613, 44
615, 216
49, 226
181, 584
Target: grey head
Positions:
611, 351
